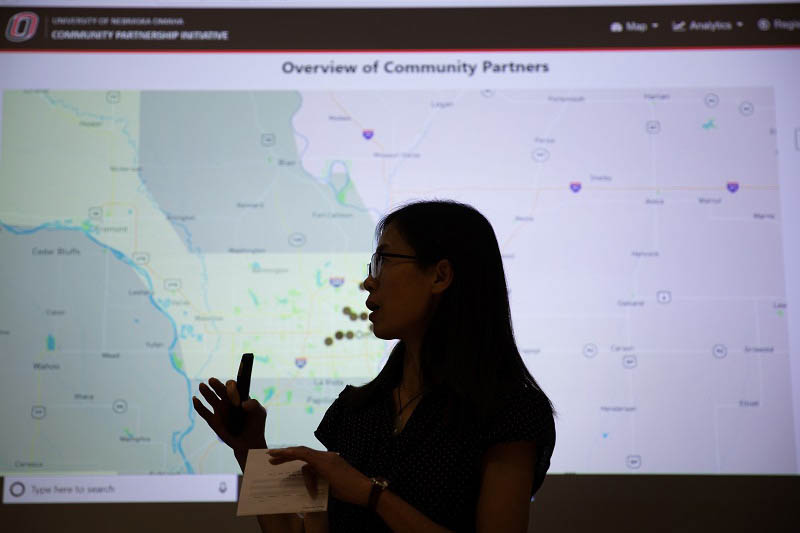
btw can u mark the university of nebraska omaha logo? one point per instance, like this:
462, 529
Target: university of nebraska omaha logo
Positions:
22, 26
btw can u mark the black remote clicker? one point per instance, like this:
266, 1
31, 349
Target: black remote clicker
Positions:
236, 414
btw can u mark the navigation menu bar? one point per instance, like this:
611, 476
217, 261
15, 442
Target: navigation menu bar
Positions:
515, 28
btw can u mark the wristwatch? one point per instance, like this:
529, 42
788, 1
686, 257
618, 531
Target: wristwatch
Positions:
379, 485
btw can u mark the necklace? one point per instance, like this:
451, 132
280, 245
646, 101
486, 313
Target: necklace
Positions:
398, 420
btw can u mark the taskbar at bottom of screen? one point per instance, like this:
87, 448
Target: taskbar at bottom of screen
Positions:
120, 488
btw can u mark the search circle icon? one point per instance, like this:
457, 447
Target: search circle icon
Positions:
16, 489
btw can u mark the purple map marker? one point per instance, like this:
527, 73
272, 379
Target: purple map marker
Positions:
368, 134
733, 186
575, 186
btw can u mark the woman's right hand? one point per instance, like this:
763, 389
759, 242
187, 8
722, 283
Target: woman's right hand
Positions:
222, 398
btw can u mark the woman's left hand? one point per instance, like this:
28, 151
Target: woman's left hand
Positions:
346, 483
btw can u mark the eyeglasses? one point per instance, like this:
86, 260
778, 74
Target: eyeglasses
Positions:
376, 262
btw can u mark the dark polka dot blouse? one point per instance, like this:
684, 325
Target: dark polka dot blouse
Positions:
433, 467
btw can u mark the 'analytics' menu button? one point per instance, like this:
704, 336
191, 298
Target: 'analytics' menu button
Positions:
710, 25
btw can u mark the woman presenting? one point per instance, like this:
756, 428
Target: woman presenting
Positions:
454, 434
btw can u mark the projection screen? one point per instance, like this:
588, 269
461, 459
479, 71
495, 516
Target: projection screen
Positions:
181, 185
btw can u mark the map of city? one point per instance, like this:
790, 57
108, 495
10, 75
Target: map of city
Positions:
148, 239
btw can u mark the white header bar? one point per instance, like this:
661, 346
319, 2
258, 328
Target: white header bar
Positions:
120, 489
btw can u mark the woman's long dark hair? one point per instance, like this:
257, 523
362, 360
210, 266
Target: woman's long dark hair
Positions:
468, 353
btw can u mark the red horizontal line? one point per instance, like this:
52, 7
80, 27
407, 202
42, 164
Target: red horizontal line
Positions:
393, 50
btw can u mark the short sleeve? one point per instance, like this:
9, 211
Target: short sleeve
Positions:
327, 431
526, 415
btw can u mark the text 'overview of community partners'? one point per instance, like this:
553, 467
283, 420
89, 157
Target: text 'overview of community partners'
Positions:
395, 67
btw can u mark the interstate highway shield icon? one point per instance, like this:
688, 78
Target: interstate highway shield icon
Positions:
300, 362
733, 186
575, 186
368, 134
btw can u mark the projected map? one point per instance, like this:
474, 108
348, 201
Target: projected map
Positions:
147, 239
